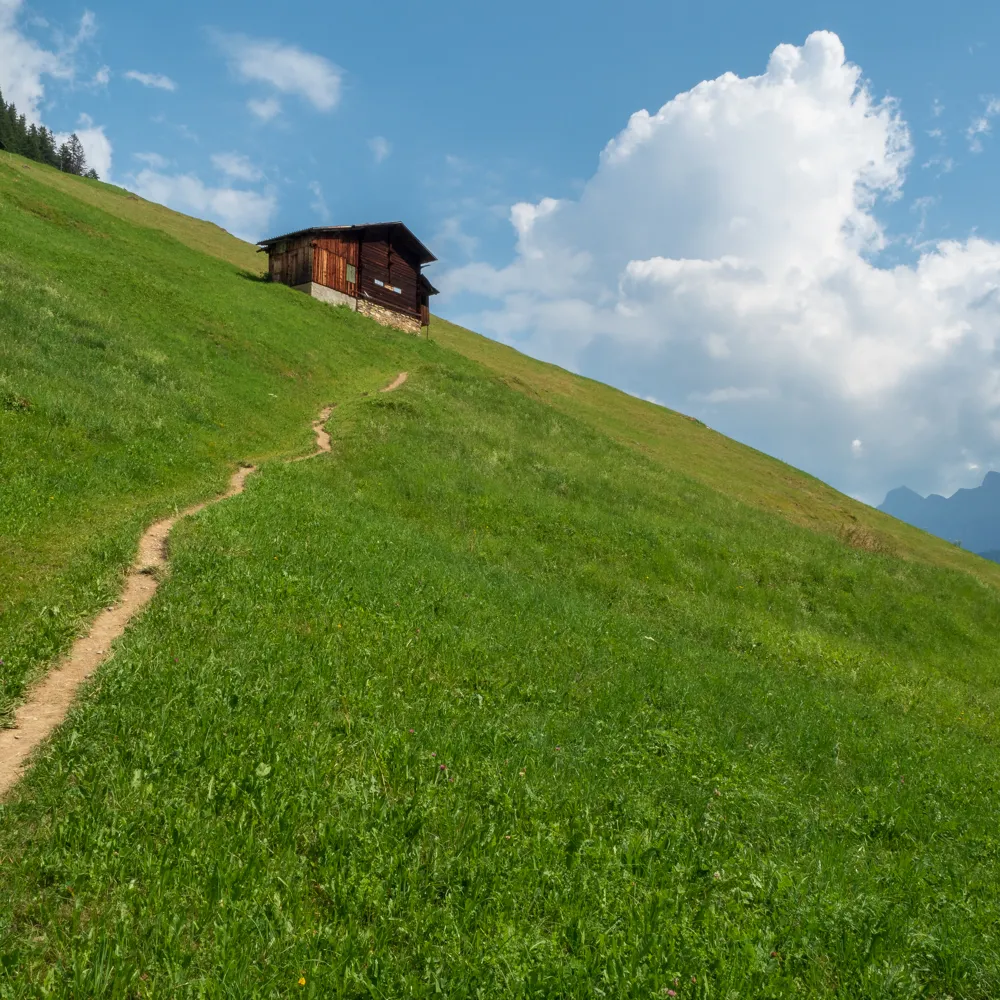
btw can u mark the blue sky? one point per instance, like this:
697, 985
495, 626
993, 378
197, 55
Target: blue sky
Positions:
447, 115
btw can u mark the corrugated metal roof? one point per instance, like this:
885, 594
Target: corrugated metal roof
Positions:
426, 257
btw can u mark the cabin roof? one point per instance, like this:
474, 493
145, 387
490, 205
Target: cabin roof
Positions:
396, 228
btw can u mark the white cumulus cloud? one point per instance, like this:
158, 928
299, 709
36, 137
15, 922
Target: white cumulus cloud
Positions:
237, 166
285, 67
721, 256
244, 213
24, 63
155, 80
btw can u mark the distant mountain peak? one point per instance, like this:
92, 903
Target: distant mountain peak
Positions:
901, 491
969, 516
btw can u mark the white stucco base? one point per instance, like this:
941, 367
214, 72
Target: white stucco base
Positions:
328, 295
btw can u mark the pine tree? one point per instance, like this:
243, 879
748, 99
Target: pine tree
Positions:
47, 143
32, 144
5, 126
21, 135
72, 159
36, 142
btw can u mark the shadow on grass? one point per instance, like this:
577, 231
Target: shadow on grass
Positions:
255, 276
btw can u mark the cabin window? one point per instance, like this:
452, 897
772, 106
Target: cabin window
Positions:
381, 284
352, 274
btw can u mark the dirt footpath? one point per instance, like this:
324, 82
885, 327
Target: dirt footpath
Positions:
50, 700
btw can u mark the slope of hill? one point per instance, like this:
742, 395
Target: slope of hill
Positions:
969, 517
671, 439
516, 693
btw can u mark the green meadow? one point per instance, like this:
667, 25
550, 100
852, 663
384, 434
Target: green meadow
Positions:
529, 689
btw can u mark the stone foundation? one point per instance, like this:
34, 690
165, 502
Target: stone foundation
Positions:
388, 317
381, 315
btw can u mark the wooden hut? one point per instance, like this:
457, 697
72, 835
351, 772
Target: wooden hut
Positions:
375, 269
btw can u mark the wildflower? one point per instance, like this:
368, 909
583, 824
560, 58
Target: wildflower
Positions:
506, 836
717, 792
442, 767
671, 993
433, 753
774, 954
412, 731
559, 748
302, 980
521, 773
717, 875
694, 979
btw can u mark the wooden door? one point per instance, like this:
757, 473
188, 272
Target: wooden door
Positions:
335, 271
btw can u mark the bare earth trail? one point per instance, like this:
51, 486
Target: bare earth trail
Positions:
50, 700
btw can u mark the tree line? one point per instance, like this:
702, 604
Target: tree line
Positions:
37, 143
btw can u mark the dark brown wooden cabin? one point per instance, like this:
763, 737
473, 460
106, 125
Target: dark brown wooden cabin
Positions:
376, 269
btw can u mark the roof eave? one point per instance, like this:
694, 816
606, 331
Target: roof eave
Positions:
426, 257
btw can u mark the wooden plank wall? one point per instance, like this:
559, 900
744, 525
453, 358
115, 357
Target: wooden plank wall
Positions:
294, 266
330, 262
380, 269
383, 263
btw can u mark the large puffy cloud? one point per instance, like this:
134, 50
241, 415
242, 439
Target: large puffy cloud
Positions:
720, 261
246, 214
23, 63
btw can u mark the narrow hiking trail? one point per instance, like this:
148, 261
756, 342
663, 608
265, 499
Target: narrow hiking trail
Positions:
400, 379
52, 697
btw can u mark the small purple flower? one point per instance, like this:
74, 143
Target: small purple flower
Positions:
442, 767
433, 754
412, 731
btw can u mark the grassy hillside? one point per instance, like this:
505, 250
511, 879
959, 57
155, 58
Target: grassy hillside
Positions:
133, 375
128, 207
504, 698
672, 439
682, 444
